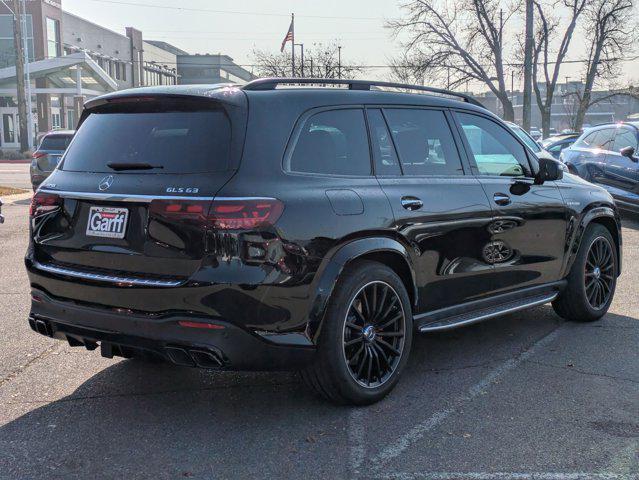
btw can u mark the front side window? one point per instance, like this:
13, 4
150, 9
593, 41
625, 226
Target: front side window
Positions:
526, 138
333, 142
624, 138
495, 150
599, 139
424, 142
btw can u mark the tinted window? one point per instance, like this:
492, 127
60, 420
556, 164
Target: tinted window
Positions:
495, 150
424, 142
386, 162
624, 138
55, 142
334, 142
179, 142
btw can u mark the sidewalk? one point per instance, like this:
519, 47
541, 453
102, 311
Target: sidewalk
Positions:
26, 160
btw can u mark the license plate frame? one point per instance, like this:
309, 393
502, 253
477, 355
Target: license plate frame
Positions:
107, 222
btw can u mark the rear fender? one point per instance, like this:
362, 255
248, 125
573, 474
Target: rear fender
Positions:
594, 214
333, 266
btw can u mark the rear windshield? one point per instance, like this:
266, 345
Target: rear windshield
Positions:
170, 141
56, 142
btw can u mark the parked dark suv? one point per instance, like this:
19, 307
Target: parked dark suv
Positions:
48, 155
607, 155
315, 229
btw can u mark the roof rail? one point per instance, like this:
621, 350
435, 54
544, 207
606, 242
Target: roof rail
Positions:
272, 83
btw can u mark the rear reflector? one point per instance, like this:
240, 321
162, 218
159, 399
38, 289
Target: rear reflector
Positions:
222, 214
210, 326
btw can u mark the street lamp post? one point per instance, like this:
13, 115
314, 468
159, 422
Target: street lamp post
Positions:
301, 45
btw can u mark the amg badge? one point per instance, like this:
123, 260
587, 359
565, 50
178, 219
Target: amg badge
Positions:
107, 222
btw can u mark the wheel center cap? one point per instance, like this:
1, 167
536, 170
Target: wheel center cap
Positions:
597, 272
369, 333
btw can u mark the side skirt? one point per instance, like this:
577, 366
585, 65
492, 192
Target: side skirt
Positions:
477, 311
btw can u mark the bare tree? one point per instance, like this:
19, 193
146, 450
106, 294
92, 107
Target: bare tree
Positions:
459, 41
544, 56
320, 61
528, 65
610, 30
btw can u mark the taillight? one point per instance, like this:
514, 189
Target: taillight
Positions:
181, 209
37, 155
222, 214
43, 202
244, 214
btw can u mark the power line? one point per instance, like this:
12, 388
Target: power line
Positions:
231, 12
363, 66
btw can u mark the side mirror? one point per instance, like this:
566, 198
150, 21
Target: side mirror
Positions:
549, 170
630, 153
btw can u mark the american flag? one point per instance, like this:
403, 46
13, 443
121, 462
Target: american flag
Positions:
289, 35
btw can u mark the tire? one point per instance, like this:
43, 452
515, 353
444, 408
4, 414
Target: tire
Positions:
577, 302
381, 333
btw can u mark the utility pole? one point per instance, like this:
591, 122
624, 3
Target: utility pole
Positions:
339, 61
21, 93
528, 59
27, 68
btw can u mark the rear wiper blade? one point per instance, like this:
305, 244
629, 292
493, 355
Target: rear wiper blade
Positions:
118, 166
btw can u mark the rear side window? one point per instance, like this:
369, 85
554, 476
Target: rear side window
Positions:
55, 142
386, 162
424, 142
333, 142
171, 141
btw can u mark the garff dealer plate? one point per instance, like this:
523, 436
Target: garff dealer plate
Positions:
107, 222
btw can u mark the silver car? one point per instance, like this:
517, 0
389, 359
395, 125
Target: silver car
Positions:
48, 155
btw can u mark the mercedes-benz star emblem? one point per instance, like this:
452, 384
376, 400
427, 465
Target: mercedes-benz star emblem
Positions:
106, 183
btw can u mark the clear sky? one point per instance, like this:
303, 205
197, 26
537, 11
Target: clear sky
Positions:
201, 26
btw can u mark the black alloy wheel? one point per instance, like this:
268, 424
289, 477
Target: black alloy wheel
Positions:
592, 279
373, 337
599, 276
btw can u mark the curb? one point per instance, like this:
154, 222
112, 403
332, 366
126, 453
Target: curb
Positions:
27, 160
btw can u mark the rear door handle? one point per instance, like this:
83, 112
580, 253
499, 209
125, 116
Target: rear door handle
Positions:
501, 199
412, 203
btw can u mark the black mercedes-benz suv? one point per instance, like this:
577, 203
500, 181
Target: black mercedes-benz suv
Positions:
313, 225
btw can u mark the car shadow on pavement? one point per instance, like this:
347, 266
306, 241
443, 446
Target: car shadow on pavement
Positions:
133, 419
630, 220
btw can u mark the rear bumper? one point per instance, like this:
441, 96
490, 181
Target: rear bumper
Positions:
120, 333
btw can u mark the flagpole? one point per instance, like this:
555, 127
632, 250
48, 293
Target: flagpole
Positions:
293, 44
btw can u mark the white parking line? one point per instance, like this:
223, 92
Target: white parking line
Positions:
505, 476
418, 431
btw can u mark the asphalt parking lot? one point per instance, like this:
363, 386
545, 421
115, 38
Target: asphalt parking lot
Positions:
527, 396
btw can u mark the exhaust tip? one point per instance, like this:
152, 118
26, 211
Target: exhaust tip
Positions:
179, 356
206, 359
43, 328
